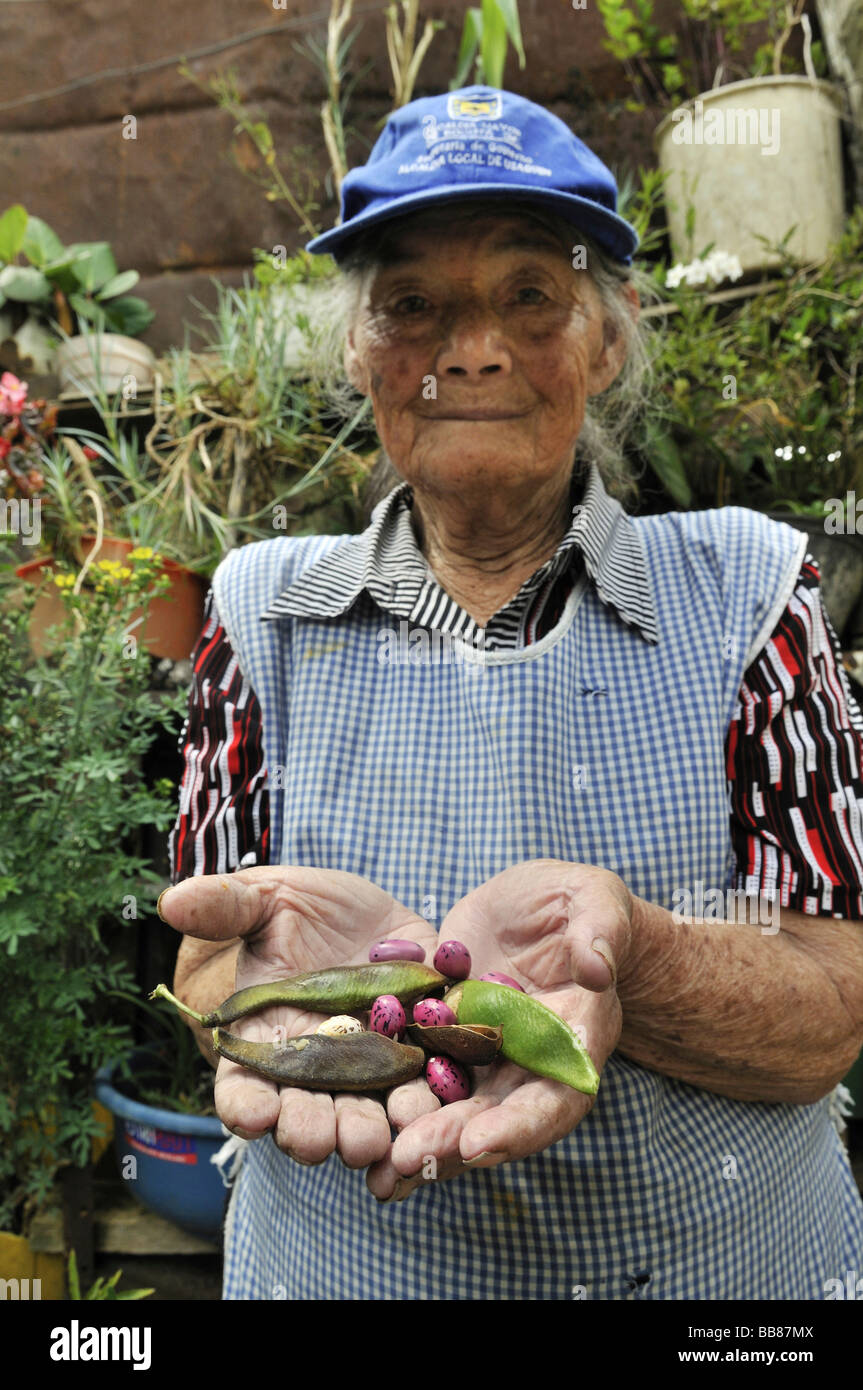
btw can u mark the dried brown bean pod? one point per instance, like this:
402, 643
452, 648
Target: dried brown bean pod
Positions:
356, 1062
474, 1045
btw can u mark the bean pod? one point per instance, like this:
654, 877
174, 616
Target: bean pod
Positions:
534, 1036
343, 989
358, 1062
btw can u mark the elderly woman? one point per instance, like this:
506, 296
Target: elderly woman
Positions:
629, 718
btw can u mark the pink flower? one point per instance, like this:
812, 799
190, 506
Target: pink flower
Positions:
13, 393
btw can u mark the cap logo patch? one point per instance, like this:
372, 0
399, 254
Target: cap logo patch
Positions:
474, 108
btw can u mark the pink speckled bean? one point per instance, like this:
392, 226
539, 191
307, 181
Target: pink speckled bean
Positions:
447, 1080
452, 959
431, 1013
388, 1017
396, 950
498, 979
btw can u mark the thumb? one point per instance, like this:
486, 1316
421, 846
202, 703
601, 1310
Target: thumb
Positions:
219, 907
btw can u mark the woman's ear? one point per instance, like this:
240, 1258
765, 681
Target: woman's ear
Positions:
611, 359
354, 368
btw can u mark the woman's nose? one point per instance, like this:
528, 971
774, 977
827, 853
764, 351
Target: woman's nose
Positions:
475, 347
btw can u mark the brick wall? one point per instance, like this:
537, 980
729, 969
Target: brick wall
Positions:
170, 201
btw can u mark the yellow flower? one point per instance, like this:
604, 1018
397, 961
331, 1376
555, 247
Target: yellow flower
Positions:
64, 581
107, 564
123, 573
141, 552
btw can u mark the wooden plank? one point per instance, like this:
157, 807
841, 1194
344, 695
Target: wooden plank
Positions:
76, 1190
124, 1228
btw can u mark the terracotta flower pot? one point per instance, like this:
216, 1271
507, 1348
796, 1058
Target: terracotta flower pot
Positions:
49, 610
174, 619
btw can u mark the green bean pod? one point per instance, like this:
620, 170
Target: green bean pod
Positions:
534, 1036
342, 989
355, 1062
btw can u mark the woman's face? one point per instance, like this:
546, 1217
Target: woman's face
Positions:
479, 345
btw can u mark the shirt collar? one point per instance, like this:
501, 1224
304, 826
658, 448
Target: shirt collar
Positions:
386, 561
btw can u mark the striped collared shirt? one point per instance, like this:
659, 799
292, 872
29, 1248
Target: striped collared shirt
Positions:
387, 563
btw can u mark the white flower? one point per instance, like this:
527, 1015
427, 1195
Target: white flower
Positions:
716, 267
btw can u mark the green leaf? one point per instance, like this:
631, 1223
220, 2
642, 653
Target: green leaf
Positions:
668, 466
13, 225
41, 244
672, 77
94, 265
25, 284
470, 37
119, 284
128, 315
509, 10
85, 307
72, 1278
493, 44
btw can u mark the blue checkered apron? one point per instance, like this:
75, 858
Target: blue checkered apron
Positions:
592, 746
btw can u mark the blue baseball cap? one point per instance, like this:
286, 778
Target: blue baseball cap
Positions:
479, 142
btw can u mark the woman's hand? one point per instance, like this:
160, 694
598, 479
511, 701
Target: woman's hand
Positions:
562, 930
292, 920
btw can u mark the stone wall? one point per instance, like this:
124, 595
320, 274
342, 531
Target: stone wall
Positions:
170, 201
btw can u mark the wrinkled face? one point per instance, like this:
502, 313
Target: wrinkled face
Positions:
479, 345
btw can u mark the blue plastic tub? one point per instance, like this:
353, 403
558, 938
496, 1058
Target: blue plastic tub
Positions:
173, 1175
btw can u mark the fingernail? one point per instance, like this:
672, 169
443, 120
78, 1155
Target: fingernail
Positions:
161, 896
602, 948
486, 1153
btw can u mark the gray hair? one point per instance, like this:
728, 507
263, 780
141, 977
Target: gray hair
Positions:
610, 420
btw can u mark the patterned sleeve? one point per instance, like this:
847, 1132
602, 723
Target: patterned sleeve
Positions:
794, 766
223, 818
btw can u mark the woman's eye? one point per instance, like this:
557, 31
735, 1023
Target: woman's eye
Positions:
531, 294
411, 304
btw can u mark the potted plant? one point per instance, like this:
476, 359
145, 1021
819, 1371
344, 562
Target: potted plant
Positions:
48, 288
758, 402
161, 1097
243, 443
75, 726
751, 165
